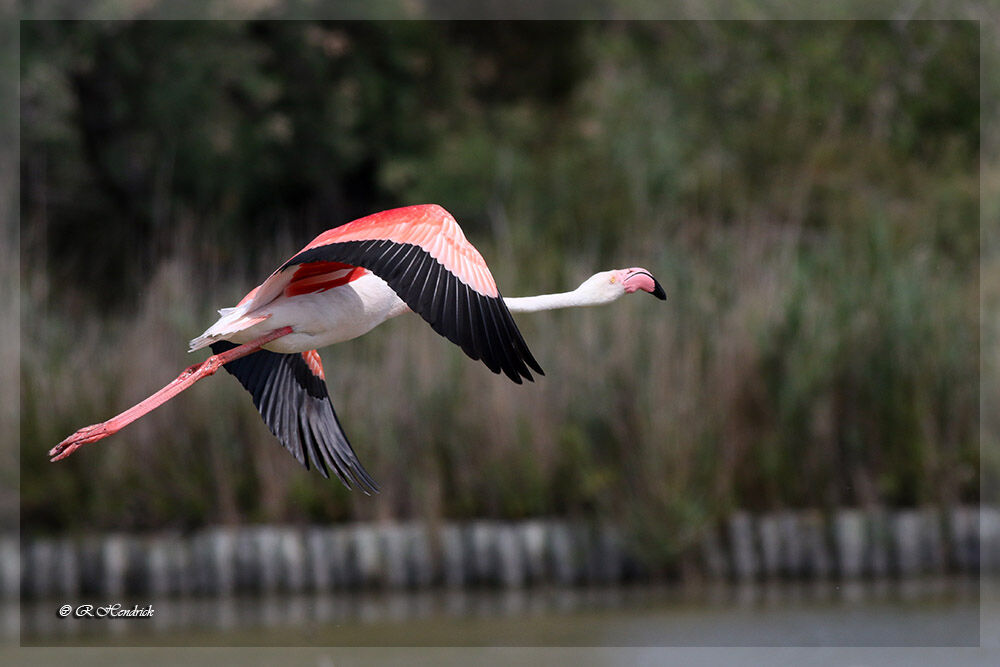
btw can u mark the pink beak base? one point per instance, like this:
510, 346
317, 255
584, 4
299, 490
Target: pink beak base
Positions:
641, 279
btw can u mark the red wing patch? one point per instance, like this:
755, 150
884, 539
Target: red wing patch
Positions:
314, 363
320, 276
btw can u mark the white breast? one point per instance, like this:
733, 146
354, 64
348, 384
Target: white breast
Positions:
317, 320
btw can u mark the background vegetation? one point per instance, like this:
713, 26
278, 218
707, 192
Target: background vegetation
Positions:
807, 193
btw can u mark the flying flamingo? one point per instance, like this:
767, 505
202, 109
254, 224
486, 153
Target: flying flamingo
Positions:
347, 281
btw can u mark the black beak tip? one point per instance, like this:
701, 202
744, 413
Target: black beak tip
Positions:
658, 292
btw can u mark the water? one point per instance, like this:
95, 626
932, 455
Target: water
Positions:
942, 611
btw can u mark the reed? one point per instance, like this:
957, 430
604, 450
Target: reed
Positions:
790, 386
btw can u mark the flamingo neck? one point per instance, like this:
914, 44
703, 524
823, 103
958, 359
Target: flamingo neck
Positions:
534, 304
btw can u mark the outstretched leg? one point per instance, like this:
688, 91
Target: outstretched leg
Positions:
188, 377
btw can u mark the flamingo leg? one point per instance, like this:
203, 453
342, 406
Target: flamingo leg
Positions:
188, 377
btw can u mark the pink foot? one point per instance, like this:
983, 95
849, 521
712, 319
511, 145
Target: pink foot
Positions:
85, 435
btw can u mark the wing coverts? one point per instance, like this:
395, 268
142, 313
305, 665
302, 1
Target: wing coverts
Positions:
481, 325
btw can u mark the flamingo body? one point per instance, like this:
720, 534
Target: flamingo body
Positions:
344, 283
318, 318
375, 268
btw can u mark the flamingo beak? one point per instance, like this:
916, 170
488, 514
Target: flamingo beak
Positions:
641, 279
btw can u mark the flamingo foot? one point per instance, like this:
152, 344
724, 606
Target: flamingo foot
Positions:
83, 436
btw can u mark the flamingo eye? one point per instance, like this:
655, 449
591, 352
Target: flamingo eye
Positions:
613, 280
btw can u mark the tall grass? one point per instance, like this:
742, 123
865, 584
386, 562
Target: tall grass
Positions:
779, 374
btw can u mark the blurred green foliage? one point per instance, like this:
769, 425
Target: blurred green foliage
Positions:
806, 192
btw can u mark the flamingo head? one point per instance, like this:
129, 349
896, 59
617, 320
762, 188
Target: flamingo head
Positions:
610, 285
635, 279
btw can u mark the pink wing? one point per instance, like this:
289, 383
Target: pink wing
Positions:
428, 226
422, 254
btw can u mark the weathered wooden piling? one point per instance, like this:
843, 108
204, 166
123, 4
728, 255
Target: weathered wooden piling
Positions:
713, 555
917, 542
484, 565
877, 554
393, 546
292, 560
964, 536
158, 567
769, 537
214, 560
607, 562
338, 557
932, 543
532, 535
420, 559
364, 560
114, 563
34, 576
265, 548
563, 554
742, 550
453, 561
791, 544
510, 557
247, 567
848, 544
319, 549
815, 546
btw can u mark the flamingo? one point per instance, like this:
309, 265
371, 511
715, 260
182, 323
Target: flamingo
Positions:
347, 281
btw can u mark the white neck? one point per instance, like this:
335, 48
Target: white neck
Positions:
534, 304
